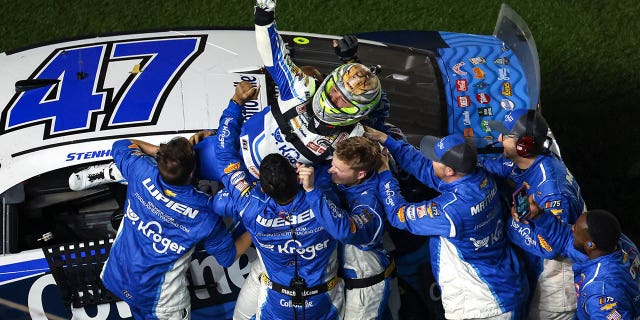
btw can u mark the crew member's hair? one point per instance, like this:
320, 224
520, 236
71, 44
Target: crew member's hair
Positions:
604, 229
360, 153
176, 161
278, 178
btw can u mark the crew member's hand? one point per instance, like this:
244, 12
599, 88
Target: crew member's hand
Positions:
199, 136
384, 160
245, 91
375, 135
346, 48
305, 174
534, 212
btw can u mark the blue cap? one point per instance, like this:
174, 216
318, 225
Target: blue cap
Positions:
453, 151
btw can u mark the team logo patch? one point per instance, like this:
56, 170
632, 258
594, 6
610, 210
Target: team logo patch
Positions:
552, 204
544, 244
477, 60
464, 101
483, 98
432, 210
421, 211
506, 89
401, 214
478, 73
614, 315
485, 112
232, 167
169, 193
502, 60
411, 213
608, 306
481, 85
462, 85
457, 68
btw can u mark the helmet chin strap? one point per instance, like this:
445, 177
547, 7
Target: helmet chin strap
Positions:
317, 126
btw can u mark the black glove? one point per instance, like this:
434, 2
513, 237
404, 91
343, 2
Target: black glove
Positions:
347, 48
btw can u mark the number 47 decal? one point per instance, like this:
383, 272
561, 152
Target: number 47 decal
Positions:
72, 104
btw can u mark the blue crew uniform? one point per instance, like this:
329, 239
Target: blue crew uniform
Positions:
161, 226
478, 272
551, 185
607, 287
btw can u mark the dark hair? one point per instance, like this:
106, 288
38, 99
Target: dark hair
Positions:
360, 153
278, 178
604, 229
176, 160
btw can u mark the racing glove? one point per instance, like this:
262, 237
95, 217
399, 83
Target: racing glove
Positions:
264, 12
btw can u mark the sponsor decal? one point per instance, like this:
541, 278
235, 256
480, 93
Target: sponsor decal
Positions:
237, 177
231, 167
467, 118
295, 123
485, 126
307, 253
153, 231
289, 304
477, 60
604, 300
411, 213
400, 214
506, 89
507, 104
552, 204
277, 135
483, 184
478, 73
502, 60
484, 203
503, 74
464, 101
468, 132
462, 85
457, 68
315, 147
389, 194
481, 85
169, 193
544, 244
88, 155
432, 210
608, 306
254, 171
421, 211
483, 98
175, 206
485, 111
280, 221
301, 108
245, 143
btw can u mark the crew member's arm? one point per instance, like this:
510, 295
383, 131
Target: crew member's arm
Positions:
361, 227
127, 152
230, 165
542, 234
220, 244
428, 218
407, 157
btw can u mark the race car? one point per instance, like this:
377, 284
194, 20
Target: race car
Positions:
64, 104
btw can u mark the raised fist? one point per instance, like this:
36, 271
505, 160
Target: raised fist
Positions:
266, 5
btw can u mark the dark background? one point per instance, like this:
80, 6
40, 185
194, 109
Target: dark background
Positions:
588, 54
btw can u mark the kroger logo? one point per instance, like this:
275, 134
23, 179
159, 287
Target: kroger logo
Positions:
161, 244
308, 253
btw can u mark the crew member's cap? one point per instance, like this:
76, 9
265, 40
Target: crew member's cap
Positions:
515, 123
453, 151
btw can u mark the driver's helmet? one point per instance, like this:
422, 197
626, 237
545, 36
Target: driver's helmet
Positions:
355, 86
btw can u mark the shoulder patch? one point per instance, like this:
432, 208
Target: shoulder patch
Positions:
544, 244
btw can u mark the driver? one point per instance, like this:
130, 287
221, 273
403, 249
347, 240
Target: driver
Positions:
308, 120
